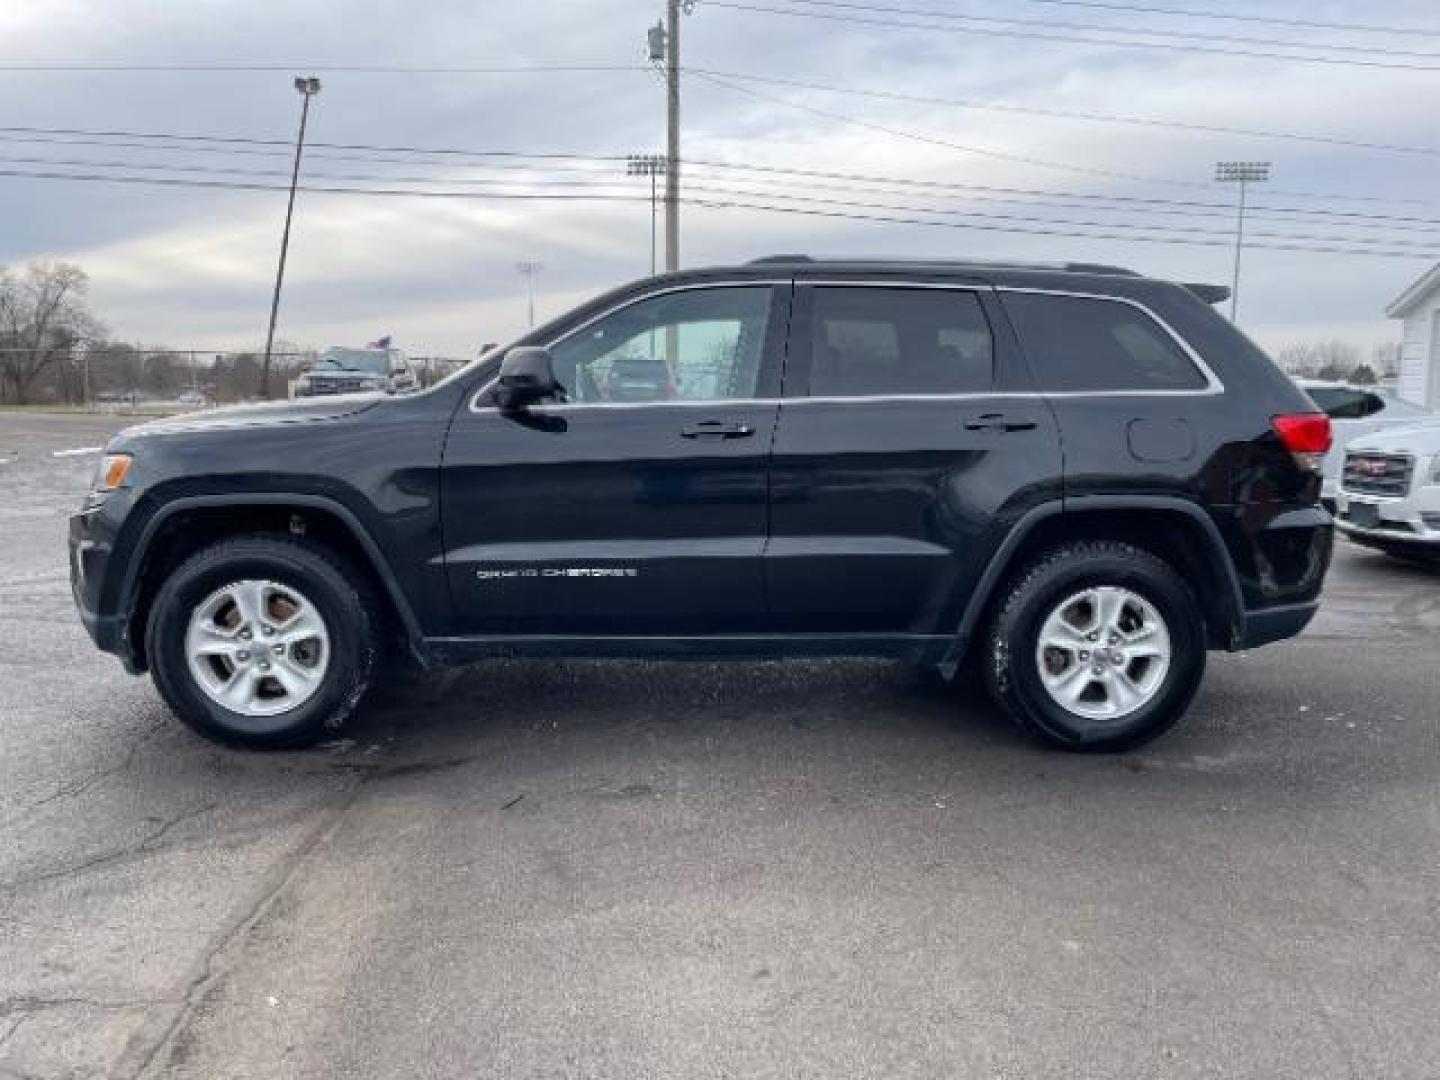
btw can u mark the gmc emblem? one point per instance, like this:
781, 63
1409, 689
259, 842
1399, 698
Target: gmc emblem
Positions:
1371, 466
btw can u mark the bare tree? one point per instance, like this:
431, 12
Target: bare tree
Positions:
43, 316
1296, 359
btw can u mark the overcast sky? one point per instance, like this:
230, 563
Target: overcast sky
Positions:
194, 266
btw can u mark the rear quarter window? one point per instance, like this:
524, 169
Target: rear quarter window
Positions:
1077, 343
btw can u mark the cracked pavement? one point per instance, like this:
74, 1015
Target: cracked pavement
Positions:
529, 869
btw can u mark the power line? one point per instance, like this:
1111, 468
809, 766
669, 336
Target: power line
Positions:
594, 180
226, 185
172, 167
1106, 118
1051, 24
222, 66
1128, 202
935, 140
1056, 232
1023, 159
1430, 246
245, 145
1034, 35
243, 151
1025, 196
240, 140
1271, 20
1297, 244
1164, 208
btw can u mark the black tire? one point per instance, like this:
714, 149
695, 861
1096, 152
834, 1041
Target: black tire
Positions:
344, 600
1012, 672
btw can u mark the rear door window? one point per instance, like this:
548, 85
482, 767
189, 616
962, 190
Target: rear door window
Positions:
876, 341
1080, 343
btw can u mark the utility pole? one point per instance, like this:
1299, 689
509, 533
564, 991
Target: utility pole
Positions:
308, 88
651, 165
664, 43
1242, 173
528, 269
672, 135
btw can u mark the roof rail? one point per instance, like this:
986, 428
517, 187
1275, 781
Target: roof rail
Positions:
995, 264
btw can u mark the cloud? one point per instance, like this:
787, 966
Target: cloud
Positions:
191, 267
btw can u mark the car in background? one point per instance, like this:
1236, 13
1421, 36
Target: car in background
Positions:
1354, 411
341, 370
1389, 495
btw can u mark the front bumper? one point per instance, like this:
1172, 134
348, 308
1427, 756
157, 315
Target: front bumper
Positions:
1412, 521
91, 544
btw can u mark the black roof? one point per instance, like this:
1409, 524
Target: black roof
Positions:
1101, 277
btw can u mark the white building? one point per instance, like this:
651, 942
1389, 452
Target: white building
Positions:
1419, 308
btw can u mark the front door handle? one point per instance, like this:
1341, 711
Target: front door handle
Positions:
999, 422
716, 429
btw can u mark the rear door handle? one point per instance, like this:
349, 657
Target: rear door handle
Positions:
999, 422
716, 429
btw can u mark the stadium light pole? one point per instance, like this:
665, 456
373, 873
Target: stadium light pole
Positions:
528, 269
653, 166
308, 86
1243, 174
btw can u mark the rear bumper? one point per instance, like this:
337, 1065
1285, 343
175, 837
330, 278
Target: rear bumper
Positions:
1269, 625
1281, 556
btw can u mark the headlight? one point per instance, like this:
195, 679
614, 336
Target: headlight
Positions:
114, 468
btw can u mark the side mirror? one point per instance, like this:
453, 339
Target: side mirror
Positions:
527, 374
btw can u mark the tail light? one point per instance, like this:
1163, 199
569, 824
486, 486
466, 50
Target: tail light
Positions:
1306, 435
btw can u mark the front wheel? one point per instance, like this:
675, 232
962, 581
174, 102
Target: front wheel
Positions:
1098, 646
263, 641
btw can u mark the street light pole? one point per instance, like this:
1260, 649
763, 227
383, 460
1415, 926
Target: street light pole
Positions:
308, 88
529, 269
651, 165
1242, 173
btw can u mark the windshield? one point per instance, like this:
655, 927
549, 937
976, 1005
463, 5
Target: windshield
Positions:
375, 361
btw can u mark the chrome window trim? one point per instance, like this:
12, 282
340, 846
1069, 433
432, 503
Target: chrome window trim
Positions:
1213, 384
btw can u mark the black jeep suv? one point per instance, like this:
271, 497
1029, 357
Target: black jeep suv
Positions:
1078, 478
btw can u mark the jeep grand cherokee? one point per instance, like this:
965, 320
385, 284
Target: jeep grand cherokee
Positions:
1077, 478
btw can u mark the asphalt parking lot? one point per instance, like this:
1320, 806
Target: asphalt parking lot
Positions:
627, 870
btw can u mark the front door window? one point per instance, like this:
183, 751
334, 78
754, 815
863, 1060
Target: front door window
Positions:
689, 345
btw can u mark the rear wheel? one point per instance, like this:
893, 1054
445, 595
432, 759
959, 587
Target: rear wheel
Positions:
1098, 646
263, 641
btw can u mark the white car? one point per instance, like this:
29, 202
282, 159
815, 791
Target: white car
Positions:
1355, 411
1389, 494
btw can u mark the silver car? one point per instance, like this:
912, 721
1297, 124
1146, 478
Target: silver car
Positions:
1354, 411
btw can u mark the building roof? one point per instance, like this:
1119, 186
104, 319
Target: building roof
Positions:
1412, 297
